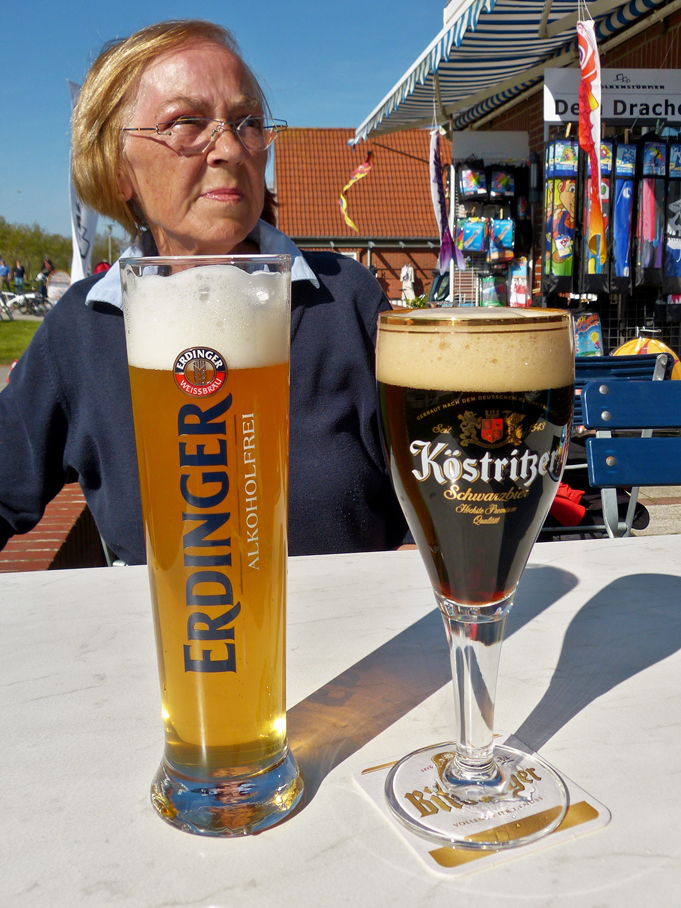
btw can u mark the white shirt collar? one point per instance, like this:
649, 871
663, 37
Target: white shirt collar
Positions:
269, 240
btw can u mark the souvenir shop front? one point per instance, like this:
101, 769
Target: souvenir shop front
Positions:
631, 287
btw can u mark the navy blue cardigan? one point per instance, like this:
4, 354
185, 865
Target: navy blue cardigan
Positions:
66, 414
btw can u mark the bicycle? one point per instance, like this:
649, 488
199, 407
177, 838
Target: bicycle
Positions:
32, 303
7, 303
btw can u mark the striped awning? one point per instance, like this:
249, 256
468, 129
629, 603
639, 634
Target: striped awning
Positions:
493, 51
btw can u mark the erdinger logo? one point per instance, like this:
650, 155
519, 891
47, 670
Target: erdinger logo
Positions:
200, 371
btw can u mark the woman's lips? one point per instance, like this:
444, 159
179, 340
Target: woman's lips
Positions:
224, 194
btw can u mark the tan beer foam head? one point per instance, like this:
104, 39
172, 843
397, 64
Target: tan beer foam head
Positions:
245, 317
476, 349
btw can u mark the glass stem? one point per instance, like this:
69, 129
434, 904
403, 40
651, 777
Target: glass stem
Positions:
475, 635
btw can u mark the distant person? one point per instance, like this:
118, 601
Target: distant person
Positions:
4, 276
42, 277
101, 266
19, 276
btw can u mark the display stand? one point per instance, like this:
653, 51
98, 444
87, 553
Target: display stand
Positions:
490, 219
493, 230
638, 285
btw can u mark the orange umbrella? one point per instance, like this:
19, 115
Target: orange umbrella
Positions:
649, 345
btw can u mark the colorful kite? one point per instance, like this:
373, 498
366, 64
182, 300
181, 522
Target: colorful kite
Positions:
357, 174
447, 248
590, 129
622, 218
650, 221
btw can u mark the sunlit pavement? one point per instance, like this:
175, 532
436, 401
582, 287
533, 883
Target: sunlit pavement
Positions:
664, 506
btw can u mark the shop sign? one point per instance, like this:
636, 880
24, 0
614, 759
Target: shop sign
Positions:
645, 95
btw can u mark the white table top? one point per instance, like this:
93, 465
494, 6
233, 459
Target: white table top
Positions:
590, 675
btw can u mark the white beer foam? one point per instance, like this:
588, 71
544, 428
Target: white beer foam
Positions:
470, 353
245, 317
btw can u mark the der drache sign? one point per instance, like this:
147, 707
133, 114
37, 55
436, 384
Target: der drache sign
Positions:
626, 95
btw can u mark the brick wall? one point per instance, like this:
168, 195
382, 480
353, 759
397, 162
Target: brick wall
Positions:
389, 262
656, 48
66, 537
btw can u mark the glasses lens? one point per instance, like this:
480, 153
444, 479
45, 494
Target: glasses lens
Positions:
256, 133
188, 134
192, 135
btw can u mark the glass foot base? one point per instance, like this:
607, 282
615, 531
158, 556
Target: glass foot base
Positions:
524, 802
227, 807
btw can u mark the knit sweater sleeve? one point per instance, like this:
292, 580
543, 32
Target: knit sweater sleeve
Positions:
33, 430
66, 415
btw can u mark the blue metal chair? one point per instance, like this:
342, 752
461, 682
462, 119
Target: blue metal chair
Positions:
646, 367
634, 460
638, 368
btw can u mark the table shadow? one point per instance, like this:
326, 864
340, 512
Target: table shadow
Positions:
347, 712
628, 626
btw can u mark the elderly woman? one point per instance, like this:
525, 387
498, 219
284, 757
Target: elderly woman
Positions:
170, 139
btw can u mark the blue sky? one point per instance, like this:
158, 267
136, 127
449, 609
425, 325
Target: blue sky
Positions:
320, 63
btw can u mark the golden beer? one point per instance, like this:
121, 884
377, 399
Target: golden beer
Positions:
210, 404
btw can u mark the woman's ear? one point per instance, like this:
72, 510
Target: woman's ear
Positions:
125, 185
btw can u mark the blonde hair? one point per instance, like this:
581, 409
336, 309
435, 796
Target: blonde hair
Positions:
96, 138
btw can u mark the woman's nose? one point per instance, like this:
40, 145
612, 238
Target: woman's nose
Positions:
226, 143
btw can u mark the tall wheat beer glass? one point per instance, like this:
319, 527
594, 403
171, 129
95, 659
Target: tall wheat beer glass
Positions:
208, 354
476, 410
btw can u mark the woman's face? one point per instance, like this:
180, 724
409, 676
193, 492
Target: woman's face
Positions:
200, 204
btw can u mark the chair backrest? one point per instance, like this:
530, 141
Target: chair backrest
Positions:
633, 460
644, 367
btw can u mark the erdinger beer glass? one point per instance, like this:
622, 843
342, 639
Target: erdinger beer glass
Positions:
208, 354
476, 411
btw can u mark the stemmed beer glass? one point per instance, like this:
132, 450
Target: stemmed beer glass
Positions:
476, 410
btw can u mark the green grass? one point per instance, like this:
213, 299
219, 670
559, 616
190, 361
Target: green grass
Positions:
14, 338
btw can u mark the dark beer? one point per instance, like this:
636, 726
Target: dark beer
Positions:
476, 407
476, 433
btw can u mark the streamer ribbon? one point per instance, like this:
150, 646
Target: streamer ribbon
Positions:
356, 175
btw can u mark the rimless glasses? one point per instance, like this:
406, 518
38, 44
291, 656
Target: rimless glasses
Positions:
194, 135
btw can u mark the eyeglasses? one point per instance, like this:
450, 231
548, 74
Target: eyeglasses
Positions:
194, 135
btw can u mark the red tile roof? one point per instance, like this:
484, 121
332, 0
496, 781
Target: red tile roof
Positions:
311, 167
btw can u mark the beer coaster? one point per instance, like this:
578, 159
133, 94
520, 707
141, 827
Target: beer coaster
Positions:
584, 814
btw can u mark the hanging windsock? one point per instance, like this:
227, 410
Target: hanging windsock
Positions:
437, 193
356, 175
621, 269
590, 130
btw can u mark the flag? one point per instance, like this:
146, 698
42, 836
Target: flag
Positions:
357, 174
83, 220
447, 248
590, 129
